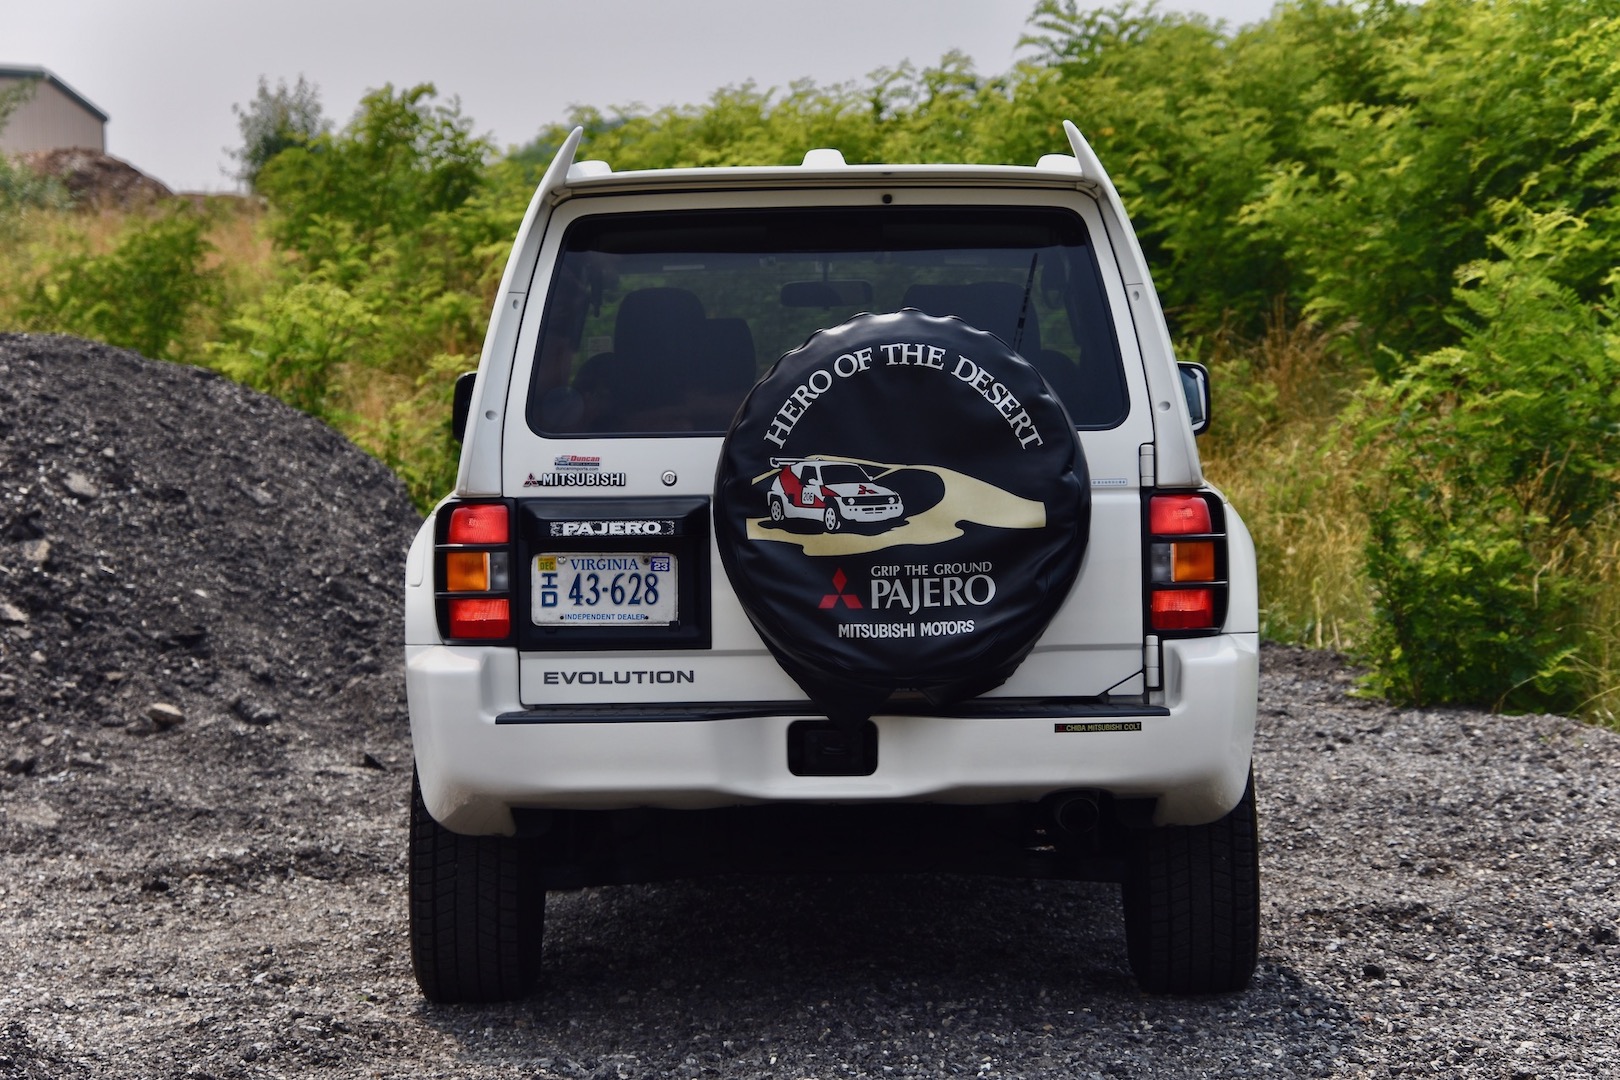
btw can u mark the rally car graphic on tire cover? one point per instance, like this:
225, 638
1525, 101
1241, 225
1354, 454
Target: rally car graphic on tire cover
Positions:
831, 492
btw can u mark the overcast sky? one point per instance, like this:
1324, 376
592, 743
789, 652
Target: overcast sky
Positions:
167, 72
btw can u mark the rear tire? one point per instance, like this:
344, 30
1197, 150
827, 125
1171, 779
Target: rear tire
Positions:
477, 912
1192, 904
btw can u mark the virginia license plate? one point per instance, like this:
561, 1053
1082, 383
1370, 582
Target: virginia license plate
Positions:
591, 588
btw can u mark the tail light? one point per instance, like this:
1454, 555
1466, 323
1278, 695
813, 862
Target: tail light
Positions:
1186, 586
472, 571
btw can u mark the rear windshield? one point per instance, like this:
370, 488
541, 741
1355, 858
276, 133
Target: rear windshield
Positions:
659, 324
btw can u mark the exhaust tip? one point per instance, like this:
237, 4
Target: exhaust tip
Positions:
1077, 814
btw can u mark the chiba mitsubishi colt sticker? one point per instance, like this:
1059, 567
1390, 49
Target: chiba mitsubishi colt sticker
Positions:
901, 505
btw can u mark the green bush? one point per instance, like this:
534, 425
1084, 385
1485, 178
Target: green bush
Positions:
400, 161
1496, 454
1470, 615
395, 230
141, 295
293, 343
1394, 186
414, 438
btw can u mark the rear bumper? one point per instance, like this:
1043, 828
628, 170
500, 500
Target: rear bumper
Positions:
1192, 754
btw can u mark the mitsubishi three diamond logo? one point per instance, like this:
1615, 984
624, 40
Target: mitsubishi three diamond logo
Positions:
831, 599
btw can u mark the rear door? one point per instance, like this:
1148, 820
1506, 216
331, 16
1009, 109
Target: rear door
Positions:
650, 321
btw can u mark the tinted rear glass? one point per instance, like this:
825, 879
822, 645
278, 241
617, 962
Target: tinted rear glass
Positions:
659, 324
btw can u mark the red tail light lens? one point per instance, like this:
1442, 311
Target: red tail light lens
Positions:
1184, 609
483, 523
1178, 515
481, 619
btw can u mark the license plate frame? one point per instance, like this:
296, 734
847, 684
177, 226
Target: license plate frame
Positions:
605, 589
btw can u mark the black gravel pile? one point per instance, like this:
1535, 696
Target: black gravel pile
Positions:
203, 805
175, 548
199, 662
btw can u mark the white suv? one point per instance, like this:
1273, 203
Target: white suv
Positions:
830, 516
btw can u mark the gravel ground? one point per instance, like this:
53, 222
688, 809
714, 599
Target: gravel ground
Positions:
214, 887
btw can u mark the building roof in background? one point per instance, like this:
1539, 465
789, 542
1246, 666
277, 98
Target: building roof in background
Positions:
23, 71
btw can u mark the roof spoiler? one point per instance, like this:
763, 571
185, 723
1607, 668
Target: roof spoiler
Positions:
1092, 171
554, 185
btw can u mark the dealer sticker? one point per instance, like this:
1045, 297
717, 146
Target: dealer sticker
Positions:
1091, 727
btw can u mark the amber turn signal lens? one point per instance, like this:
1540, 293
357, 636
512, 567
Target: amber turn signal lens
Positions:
466, 571
1193, 561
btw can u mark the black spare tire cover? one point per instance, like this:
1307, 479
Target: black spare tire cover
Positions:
901, 504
